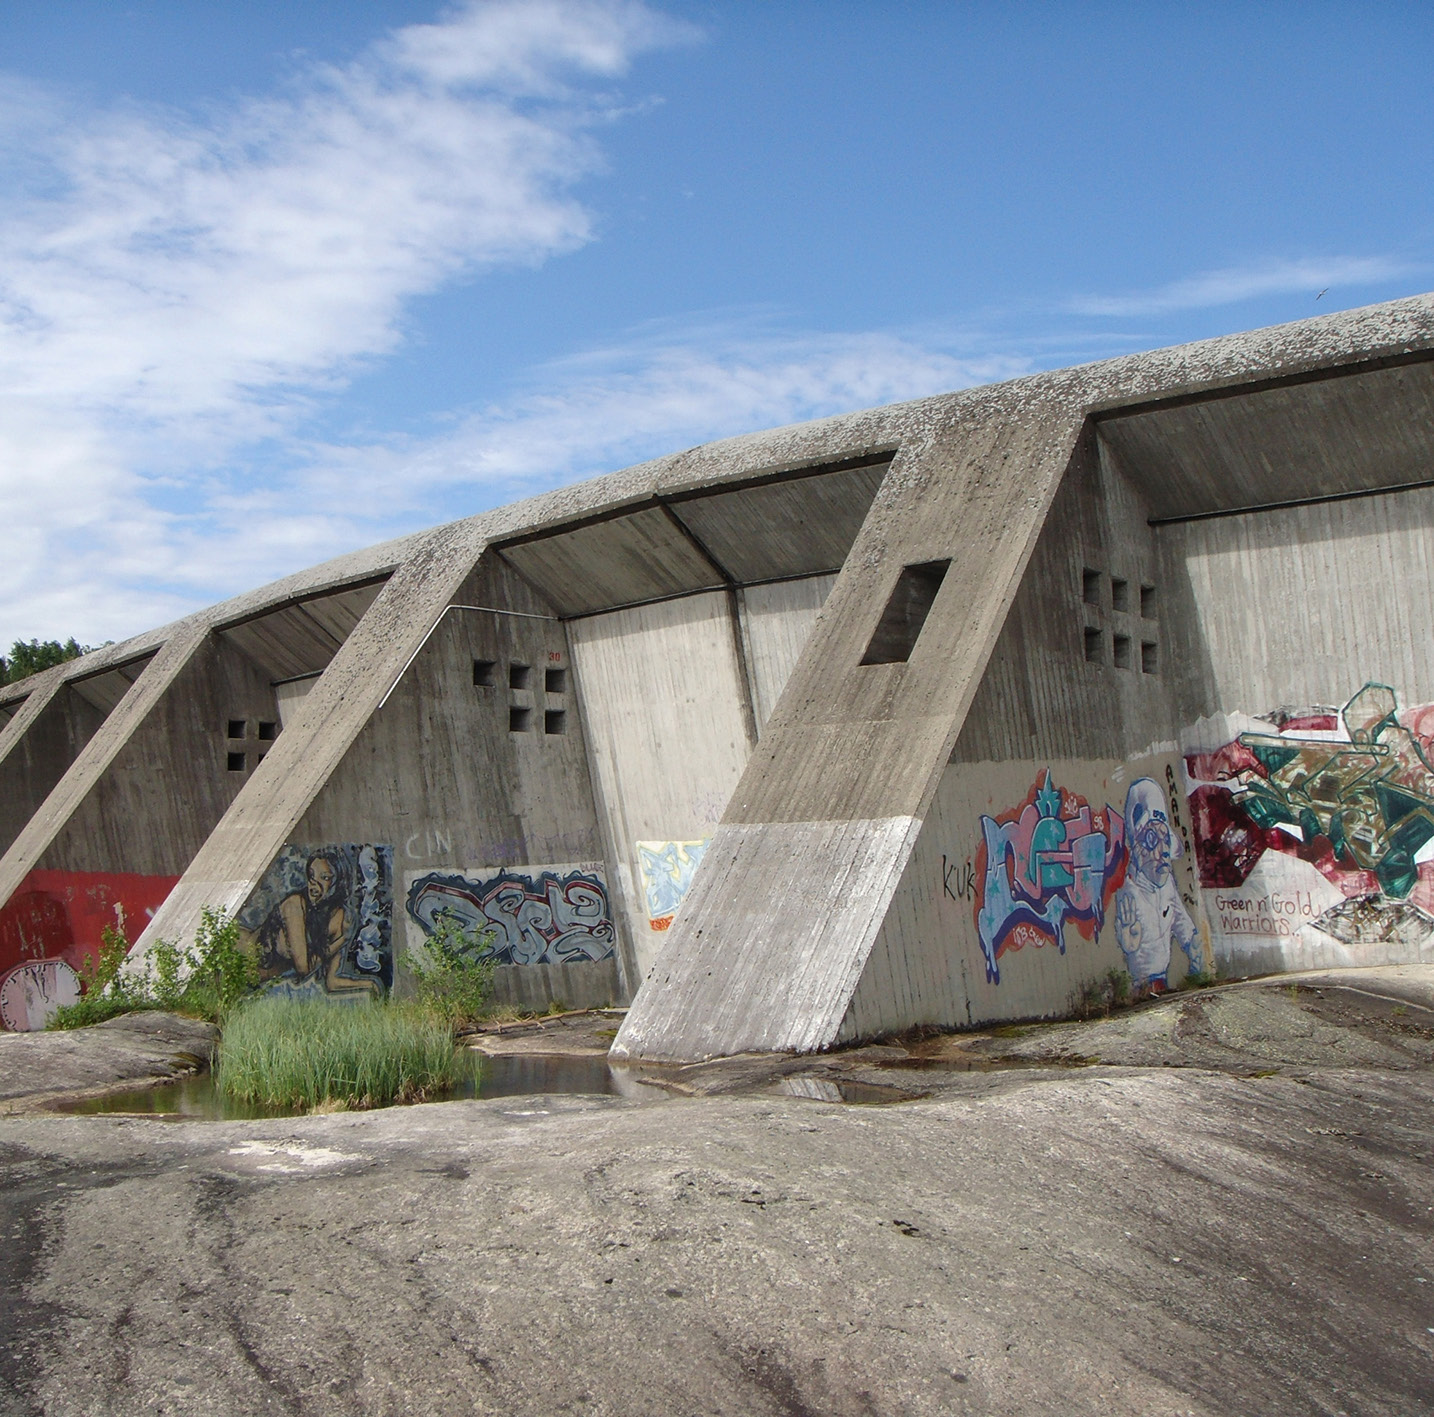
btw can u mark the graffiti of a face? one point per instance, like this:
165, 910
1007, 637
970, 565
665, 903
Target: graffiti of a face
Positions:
1152, 848
320, 879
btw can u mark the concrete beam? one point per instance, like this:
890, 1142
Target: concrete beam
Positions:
371, 661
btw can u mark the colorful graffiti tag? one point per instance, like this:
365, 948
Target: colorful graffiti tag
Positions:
1149, 913
320, 923
1350, 792
1041, 865
667, 868
60, 914
554, 915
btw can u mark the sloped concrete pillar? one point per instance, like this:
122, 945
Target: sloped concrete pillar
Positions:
772, 940
256, 827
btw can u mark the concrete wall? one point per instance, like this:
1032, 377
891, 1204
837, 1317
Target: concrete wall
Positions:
467, 805
36, 763
140, 818
777, 621
1289, 613
1053, 701
663, 700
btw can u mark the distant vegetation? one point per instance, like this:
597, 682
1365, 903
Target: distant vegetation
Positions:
29, 657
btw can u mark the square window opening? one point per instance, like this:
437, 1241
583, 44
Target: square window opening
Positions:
268, 731
235, 762
1090, 586
1122, 651
1119, 594
555, 721
238, 728
520, 676
905, 614
520, 720
1147, 602
1093, 647
555, 681
485, 673
1149, 657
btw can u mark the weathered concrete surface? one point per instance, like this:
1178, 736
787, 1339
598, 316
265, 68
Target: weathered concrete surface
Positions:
40, 1069
1068, 1241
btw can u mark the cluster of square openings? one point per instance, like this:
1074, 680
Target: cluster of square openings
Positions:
1131, 633
236, 730
523, 680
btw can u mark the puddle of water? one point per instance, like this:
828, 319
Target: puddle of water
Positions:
508, 1075
820, 1089
963, 1063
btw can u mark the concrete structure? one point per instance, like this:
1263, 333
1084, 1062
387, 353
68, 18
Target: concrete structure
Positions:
932, 714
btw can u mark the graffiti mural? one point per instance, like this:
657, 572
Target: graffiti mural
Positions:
1349, 793
667, 868
1148, 910
60, 914
320, 923
1049, 862
30, 994
551, 915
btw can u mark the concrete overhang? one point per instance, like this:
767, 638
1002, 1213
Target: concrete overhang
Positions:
1347, 431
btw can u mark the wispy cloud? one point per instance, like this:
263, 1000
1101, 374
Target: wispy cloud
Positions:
1232, 284
172, 290
650, 394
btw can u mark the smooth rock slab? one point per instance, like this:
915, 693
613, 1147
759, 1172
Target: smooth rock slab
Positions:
1099, 1241
40, 1069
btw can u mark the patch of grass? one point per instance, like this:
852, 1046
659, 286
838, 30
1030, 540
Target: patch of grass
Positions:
107, 993
1199, 979
312, 1053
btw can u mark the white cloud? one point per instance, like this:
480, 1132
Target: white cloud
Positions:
174, 289
654, 395
576, 418
1232, 284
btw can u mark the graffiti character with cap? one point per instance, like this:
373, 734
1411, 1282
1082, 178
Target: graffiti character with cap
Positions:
1148, 909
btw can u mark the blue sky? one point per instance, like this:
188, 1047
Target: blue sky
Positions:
278, 280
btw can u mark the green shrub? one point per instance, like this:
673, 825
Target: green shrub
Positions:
1100, 996
206, 979
452, 979
312, 1052
107, 992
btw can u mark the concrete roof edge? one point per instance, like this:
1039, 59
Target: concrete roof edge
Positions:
1365, 334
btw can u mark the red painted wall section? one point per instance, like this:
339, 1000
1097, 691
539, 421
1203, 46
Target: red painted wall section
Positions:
59, 914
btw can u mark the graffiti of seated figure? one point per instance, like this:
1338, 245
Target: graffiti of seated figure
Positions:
303, 937
1148, 909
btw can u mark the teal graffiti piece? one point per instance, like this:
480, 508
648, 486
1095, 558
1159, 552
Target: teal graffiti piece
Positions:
1047, 841
1396, 873
1272, 759
1394, 805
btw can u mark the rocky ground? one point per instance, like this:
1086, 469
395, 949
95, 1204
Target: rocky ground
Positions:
1229, 1213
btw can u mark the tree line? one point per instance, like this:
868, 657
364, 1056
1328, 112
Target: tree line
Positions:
29, 657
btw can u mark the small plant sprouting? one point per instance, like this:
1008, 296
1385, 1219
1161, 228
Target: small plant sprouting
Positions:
1099, 996
207, 978
453, 976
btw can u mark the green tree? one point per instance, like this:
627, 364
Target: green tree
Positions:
30, 657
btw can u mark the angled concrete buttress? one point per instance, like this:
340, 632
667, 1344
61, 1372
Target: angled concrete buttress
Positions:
777, 931
371, 661
931, 715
